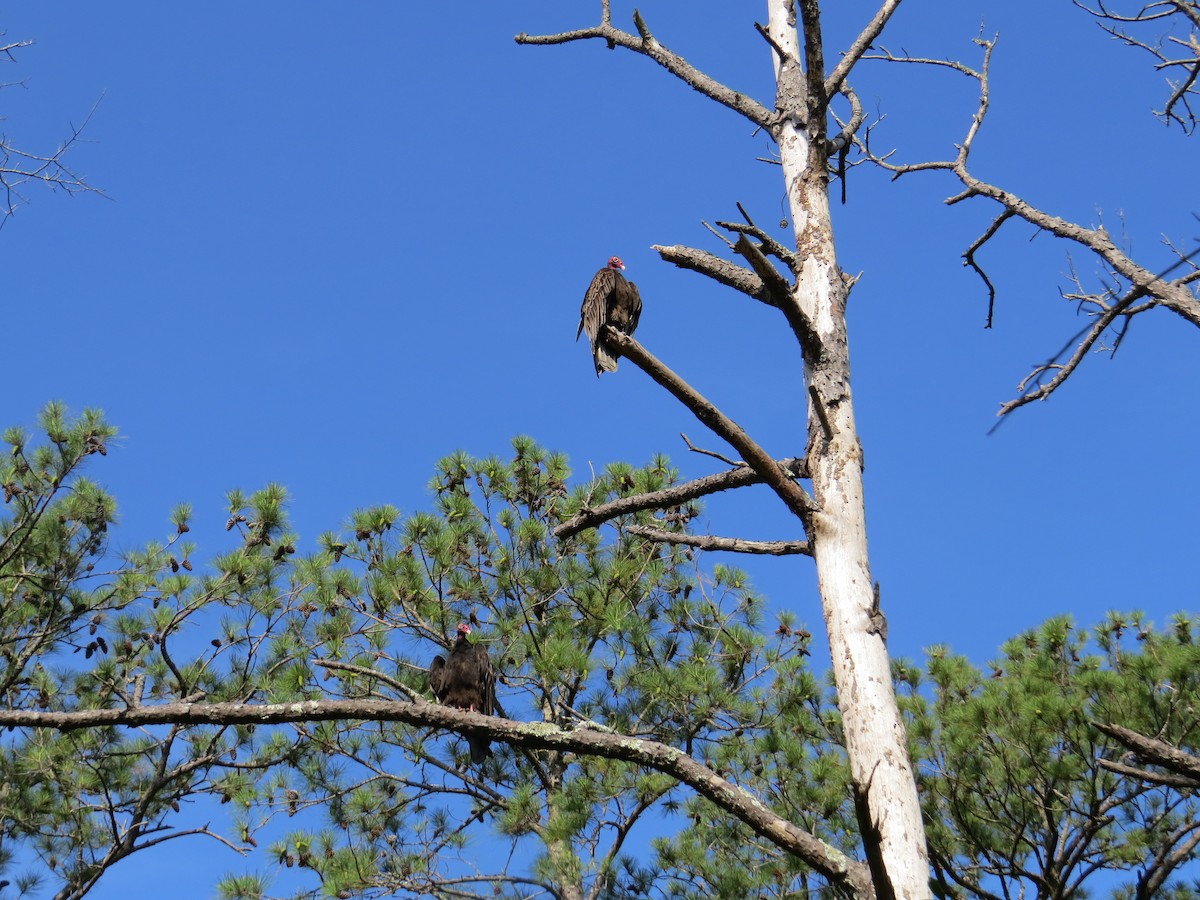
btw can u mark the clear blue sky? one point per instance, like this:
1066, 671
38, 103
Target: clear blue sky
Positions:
343, 241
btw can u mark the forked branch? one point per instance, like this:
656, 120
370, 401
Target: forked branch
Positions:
837, 78
1175, 49
719, 270
21, 167
762, 281
676, 495
1146, 288
773, 475
645, 44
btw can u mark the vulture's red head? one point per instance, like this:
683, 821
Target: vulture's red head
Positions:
463, 629
615, 263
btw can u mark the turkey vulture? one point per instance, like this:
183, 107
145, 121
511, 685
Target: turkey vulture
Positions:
610, 300
465, 680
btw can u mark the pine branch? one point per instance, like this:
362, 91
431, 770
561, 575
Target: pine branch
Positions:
825, 859
673, 496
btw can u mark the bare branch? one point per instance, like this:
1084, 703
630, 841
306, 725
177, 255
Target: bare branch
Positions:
672, 496
764, 284
726, 241
776, 284
713, 542
778, 479
1177, 295
335, 665
768, 244
20, 167
834, 83
719, 270
969, 260
840, 145
1106, 314
714, 454
1185, 57
1171, 294
779, 288
645, 44
1091, 335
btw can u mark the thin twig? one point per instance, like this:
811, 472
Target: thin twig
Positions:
712, 453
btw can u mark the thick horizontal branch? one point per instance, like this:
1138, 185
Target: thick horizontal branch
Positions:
1175, 781
827, 860
1154, 751
719, 270
645, 44
774, 476
713, 542
673, 496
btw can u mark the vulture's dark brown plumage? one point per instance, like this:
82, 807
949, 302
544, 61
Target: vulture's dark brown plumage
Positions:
610, 300
466, 681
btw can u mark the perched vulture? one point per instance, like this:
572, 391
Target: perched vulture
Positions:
465, 680
610, 300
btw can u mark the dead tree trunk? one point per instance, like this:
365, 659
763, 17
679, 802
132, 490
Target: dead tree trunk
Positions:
893, 834
814, 305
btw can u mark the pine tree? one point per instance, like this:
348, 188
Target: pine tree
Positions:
1019, 786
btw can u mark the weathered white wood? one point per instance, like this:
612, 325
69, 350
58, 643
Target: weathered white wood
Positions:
875, 735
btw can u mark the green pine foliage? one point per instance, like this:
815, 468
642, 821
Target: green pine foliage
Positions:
622, 634
1016, 803
605, 630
